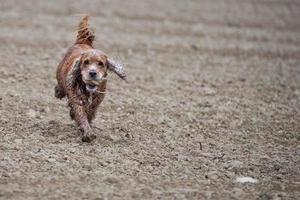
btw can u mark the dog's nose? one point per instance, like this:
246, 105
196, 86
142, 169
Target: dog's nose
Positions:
93, 73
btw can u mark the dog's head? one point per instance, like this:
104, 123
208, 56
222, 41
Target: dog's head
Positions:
91, 69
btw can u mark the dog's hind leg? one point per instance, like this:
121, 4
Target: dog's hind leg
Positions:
59, 93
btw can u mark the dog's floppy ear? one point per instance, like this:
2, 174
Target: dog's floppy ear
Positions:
117, 68
74, 74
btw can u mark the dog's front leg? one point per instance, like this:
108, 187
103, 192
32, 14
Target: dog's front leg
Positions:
81, 119
92, 109
97, 99
79, 112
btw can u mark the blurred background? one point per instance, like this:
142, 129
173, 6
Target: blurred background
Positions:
213, 95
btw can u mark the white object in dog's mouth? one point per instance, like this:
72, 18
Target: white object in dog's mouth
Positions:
91, 87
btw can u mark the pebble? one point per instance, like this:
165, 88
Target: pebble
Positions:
72, 150
51, 160
114, 138
234, 164
246, 179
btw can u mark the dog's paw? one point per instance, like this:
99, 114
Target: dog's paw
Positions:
88, 137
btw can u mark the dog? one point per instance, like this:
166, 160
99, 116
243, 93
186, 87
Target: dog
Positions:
82, 77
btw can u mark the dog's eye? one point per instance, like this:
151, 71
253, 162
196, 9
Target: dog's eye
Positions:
86, 62
100, 63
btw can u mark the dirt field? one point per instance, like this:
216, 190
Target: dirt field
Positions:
213, 94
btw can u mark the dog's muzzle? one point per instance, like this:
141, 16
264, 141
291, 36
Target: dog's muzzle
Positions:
92, 85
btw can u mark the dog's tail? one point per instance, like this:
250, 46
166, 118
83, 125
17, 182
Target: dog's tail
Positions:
85, 35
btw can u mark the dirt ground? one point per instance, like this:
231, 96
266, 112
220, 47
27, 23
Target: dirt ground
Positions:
213, 94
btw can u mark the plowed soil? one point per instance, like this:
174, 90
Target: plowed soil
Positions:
213, 95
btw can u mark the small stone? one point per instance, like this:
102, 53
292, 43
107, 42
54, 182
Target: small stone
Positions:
245, 179
51, 160
72, 150
234, 164
213, 175
114, 138
60, 137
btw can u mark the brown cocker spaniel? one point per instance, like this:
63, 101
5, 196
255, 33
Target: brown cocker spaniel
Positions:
81, 76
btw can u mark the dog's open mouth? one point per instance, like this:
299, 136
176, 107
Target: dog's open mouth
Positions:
91, 87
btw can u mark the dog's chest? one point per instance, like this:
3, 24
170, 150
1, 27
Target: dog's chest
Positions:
86, 98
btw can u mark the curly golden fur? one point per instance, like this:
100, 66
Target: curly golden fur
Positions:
82, 77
